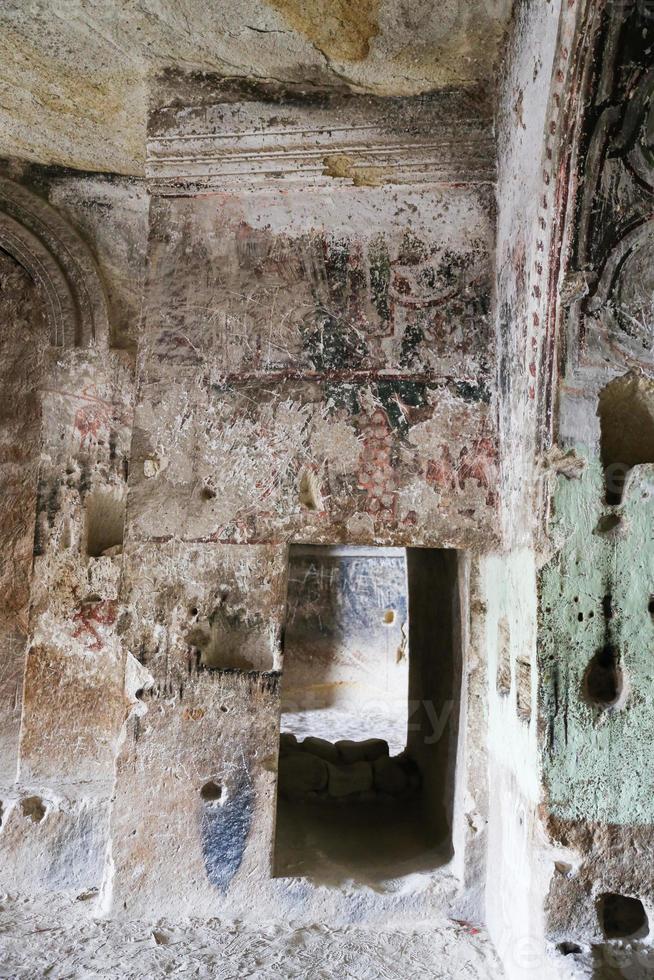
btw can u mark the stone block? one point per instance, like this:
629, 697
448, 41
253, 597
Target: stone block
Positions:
389, 776
321, 747
366, 751
288, 743
349, 780
300, 774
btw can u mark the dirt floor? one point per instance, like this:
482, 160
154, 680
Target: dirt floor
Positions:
60, 940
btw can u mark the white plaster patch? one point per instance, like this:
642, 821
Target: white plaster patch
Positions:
457, 216
418, 497
336, 442
453, 422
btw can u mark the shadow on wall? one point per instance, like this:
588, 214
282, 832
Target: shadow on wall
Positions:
434, 679
231, 638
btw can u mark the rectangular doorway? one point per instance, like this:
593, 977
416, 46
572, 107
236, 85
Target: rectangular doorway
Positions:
368, 727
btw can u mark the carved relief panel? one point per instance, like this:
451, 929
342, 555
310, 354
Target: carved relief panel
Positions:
611, 271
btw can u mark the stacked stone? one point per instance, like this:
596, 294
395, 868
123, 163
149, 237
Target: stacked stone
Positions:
346, 771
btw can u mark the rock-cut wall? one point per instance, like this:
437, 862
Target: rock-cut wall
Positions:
316, 367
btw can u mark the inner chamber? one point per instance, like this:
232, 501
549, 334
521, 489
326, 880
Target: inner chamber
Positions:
369, 712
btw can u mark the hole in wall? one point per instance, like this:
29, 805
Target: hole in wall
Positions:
523, 688
66, 536
87, 895
608, 523
105, 520
622, 917
569, 949
367, 750
626, 413
503, 680
650, 606
207, 493
91, 598
603, 681
33, 808
607, 606
309, 490
211, 792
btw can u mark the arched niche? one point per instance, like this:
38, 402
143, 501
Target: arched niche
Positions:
626, 412
59, 261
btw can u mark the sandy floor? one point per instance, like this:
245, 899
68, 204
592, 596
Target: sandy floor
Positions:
356, 723
58, 939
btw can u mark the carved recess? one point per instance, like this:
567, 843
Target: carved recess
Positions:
610, 281
37, 236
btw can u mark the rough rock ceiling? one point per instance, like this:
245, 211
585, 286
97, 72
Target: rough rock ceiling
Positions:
74, 76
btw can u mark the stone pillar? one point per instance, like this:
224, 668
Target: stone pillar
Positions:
73, 706
23, 338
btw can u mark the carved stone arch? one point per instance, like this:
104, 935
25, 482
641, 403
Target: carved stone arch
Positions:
37, 236
624, 295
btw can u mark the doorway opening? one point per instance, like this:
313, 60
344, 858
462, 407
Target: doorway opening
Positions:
369, 713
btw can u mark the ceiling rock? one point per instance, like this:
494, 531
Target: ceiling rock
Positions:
75, 77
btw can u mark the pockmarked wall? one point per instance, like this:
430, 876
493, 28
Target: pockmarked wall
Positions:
314, 365
67, 427
595, 622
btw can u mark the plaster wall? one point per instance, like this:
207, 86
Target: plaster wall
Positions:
593, 589
518, 865
298, 345
518, 871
